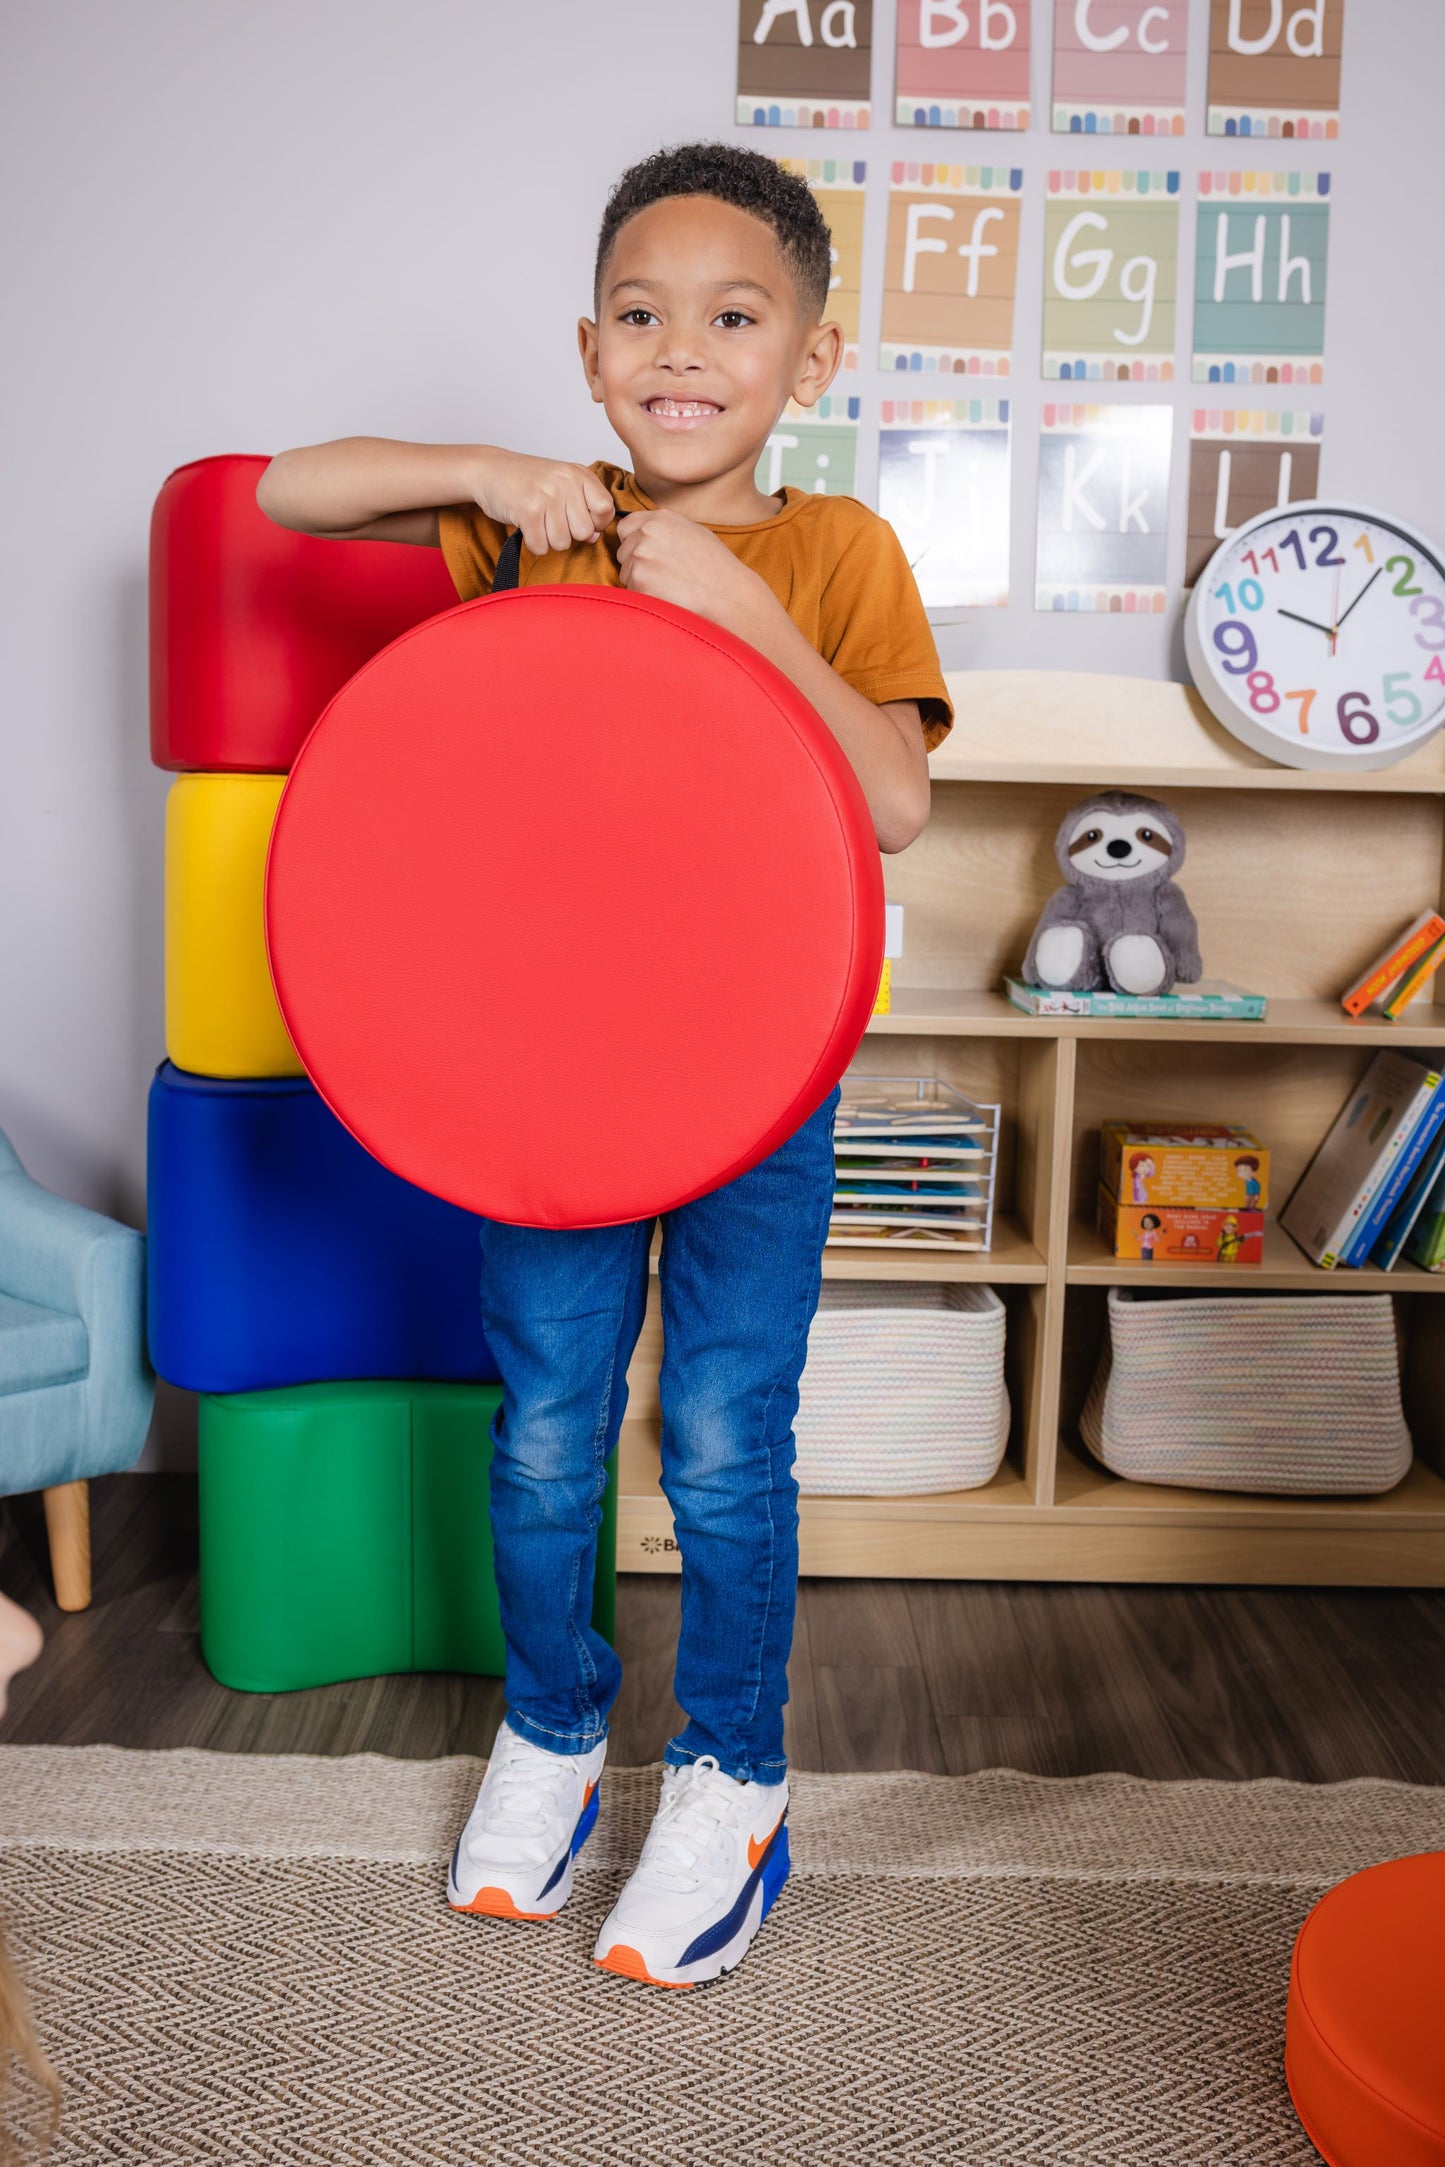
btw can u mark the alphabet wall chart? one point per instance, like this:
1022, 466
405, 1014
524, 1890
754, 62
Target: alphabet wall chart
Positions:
1106, 235
804, 63
1111, 245
962, 64
1259, 278
814, 449
1274, 68
838, 185
1103, 508
1241, 464
943, 486
1119, 67
949, 269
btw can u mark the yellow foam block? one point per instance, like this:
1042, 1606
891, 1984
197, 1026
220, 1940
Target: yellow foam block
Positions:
221, 1012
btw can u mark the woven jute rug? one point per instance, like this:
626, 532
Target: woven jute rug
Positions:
238, 1958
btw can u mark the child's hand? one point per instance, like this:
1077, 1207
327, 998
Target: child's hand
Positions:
553, 502
674, 559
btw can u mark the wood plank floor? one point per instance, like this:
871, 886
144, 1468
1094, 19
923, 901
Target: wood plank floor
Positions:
1161, 1682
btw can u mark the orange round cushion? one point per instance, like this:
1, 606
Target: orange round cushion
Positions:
1365, 2026
574, 907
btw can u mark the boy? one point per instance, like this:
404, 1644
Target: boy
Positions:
712, 277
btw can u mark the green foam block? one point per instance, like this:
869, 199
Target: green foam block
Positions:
345, 1533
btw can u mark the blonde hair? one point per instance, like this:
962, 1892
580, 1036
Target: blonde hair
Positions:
20, 2047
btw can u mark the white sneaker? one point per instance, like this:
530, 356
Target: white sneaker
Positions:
534, 1812
713, 1863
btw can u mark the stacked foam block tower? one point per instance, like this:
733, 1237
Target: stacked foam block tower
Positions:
325, 1310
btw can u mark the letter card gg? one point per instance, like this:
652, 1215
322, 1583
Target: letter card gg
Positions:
1111, 273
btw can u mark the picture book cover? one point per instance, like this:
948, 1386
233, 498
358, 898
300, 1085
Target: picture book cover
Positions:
1426, 1245
1375, 1123
1208, 999
1403, 1219
1374, 1220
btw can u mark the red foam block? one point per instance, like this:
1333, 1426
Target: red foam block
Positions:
574, 907
253, 628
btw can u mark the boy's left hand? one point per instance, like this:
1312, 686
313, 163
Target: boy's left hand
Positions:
674, 559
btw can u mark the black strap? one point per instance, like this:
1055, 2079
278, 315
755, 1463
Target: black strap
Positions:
509, 563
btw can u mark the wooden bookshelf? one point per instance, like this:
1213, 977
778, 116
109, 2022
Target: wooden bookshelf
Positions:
1297, 879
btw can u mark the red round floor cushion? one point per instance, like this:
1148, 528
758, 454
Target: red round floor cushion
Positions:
574, 907
1365, 2026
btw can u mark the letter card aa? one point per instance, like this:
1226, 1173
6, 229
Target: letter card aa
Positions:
804, 63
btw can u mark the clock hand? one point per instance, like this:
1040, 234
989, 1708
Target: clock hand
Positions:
1306, 620
1359, 598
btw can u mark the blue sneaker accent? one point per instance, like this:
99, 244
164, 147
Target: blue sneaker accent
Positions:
718, 1935
776, 1867
586, 1822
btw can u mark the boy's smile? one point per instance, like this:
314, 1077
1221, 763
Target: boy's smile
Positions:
701, 339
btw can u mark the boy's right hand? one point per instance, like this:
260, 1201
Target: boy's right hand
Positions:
553, 502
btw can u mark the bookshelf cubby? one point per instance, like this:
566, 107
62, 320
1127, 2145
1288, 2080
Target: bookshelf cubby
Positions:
1297, 878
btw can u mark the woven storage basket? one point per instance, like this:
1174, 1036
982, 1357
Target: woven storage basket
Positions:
1289, 1395
903, 1391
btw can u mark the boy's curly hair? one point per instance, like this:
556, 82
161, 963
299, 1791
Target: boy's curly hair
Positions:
747, 180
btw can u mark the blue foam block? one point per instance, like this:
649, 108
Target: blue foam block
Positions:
280, 1252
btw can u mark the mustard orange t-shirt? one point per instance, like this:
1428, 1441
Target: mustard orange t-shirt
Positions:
836, 567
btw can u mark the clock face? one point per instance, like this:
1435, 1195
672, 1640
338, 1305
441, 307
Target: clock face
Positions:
1316, 634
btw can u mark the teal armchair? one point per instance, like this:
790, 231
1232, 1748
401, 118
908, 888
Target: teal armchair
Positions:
75, 1387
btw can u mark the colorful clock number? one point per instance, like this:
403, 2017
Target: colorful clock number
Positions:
1357, 723
1396, 691
1307, 701
1332, 537
1432, 609
1251, 596
1262, 696
1433, 669
1402, 584
1242, 646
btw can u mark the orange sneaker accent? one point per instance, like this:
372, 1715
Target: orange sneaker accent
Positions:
587, 1795
756, 1850
628, 1964
497, 1904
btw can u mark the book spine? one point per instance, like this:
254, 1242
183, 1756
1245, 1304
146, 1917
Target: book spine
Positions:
1412, 1203
1379, 1173
1426, 1245
1418, 975
1382, 975
1372, 1225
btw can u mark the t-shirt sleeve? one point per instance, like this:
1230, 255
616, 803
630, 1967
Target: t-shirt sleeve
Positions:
877, 633
471, 544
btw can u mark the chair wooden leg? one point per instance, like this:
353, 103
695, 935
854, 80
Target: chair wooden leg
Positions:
67, 1522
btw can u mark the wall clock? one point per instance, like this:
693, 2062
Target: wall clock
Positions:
1316, 633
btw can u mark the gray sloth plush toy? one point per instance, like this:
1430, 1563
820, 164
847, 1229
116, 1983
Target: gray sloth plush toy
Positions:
1120, 922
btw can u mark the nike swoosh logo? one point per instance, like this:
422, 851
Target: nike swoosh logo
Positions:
757, 1850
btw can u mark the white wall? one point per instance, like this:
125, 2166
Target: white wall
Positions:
235, 227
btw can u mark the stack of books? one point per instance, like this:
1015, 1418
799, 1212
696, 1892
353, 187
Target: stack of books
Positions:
1210, 1000
916, 1162
1395, 977
1179, 1193
1375, 1189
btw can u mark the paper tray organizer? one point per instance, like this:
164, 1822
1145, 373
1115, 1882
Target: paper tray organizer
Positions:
916, 1166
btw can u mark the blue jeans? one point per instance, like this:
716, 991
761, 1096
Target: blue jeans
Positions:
740, 1271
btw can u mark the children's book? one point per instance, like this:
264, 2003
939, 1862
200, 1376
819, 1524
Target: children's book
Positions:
1419, 974
1405, 949
1209, 1000
1376, 1217
1342, 1179
1427, 1243
1391, 1245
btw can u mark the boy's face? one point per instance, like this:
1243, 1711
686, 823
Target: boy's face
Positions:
700, 340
